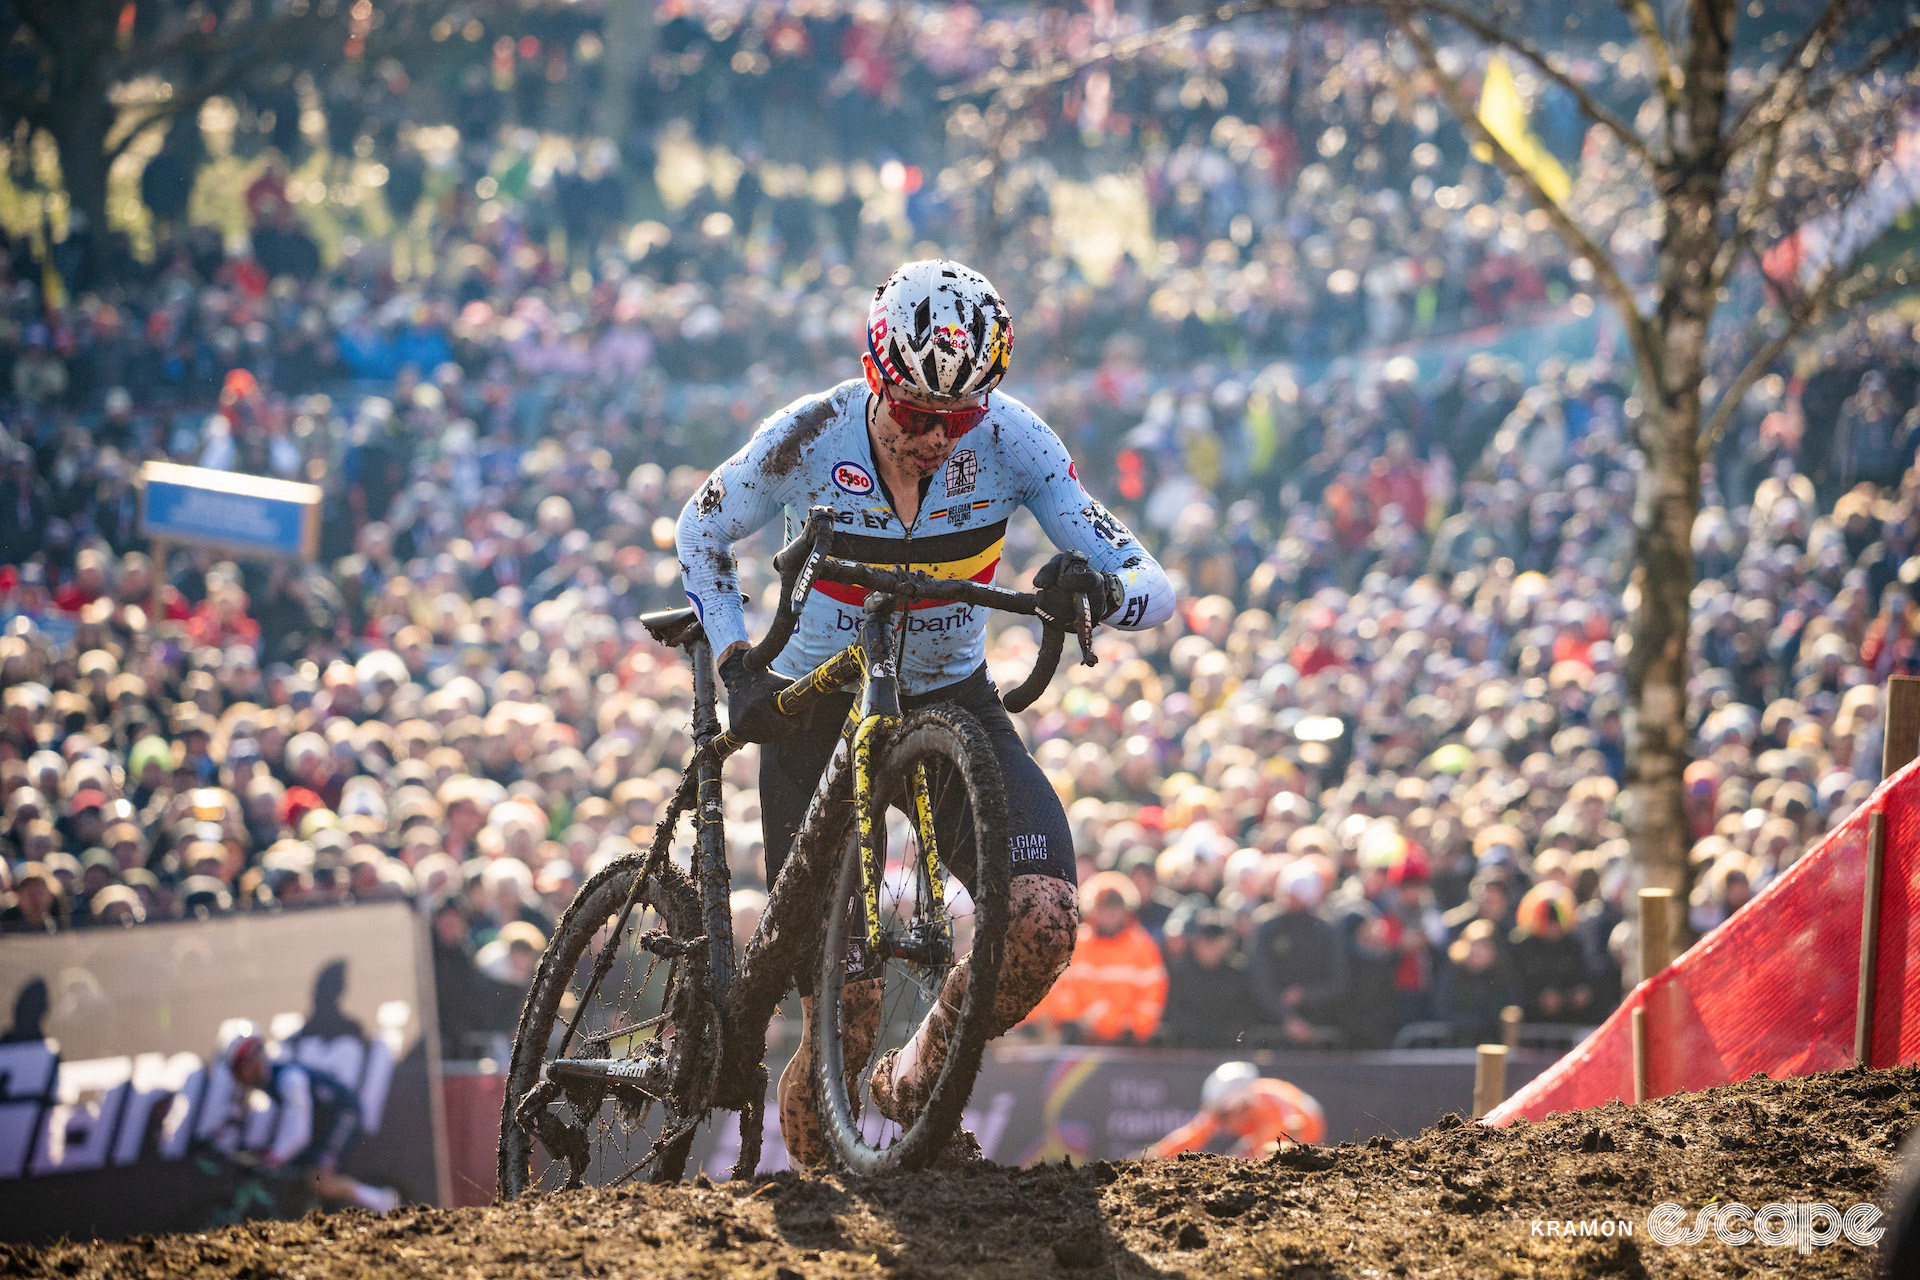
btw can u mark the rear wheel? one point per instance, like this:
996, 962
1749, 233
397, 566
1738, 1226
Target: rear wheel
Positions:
611, 1039
942, 952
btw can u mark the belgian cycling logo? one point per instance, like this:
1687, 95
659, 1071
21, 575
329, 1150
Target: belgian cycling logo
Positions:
853, 478
963, 471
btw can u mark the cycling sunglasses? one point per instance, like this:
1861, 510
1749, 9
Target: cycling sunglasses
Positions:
914, 421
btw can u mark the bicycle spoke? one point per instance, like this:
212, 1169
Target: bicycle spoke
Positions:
597, 1113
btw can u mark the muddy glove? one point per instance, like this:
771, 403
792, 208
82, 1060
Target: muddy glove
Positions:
1063, 580
753, 714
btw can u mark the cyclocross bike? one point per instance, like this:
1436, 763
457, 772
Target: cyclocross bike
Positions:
640, 1023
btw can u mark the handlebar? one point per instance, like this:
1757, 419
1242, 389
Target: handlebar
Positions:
809, 558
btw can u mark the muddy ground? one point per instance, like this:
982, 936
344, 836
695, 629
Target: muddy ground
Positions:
1458, 1200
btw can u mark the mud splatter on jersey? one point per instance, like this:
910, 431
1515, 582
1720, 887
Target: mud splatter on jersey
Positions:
815, 452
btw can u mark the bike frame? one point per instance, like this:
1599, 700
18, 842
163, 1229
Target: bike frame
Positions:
869, 662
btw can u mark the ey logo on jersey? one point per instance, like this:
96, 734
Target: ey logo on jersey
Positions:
852, 478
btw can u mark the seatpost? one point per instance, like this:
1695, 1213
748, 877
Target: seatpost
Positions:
716, 880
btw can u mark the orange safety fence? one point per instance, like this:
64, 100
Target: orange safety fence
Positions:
1774, 988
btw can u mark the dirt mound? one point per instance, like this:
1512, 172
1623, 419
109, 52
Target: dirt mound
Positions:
1456, 1200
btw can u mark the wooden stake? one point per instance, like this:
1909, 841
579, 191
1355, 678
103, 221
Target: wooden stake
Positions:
1869, 938
1510, 1019
1656, 931
161, 551
1640, 1053
1902, 738
1898, 745
1489, 1078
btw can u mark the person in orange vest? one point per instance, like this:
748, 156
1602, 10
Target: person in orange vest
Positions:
1260, 1113
1115, 987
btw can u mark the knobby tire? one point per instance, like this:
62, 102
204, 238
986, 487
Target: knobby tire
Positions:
671, 895
938, 734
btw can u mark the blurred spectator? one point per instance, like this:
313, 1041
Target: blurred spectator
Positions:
1299, 963
1115, 988
1210, 1000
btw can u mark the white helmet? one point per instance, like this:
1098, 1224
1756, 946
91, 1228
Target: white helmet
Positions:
941, 329
1230, 1085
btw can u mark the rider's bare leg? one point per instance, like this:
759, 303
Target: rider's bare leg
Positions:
799, 1109
1044, 921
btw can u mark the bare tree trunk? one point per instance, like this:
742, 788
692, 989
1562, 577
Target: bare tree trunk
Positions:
1658, 742
628, 34
81, 139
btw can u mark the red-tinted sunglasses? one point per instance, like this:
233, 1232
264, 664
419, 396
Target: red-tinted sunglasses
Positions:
915, 421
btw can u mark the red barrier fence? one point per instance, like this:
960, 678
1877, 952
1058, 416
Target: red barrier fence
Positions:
474, 1093
1774, 988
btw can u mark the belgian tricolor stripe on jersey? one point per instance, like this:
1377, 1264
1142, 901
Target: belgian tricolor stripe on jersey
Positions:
971, 554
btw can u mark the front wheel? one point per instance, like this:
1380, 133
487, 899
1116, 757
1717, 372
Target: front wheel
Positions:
600, 1082
941, 955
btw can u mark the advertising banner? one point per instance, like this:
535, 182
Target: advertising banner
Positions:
1045, 1102
114, 1109
247, 515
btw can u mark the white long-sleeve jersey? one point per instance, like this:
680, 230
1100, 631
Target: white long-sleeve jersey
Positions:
815, 452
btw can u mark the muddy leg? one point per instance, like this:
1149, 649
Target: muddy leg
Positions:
1044, 920
799, 1109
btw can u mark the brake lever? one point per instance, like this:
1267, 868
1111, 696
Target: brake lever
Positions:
1084, 631
803, 580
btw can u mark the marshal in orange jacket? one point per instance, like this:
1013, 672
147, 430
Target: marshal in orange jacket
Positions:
1114, 986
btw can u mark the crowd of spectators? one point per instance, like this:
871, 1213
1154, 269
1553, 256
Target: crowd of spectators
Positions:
1370, 775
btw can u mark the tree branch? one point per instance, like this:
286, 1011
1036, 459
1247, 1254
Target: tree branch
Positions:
237, 53
1453, 12
1493, 35
1875, 58
1825, 300
1758, 203
1612, 283
1772, 105
1001, 80
1647, 23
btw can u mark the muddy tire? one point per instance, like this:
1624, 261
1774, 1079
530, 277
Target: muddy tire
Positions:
615, 1131
958, 754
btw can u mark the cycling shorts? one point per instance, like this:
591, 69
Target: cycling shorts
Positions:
1040, 841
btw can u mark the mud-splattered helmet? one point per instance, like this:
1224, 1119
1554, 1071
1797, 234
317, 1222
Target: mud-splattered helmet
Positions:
940, 329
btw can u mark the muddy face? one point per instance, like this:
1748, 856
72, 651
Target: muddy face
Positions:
918, 455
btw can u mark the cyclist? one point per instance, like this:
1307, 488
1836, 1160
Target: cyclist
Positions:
923, 464
1260, 1113
320, 1118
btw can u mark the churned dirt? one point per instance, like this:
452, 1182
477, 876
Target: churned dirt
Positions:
1458, 1200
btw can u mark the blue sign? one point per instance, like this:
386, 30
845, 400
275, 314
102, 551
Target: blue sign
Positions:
248, 515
